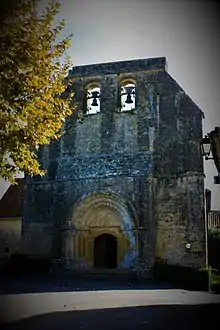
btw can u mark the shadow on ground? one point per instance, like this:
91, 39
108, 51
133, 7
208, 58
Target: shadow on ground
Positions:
67, 284
160, 317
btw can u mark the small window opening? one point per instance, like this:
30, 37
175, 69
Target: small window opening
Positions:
127, 96
93, 100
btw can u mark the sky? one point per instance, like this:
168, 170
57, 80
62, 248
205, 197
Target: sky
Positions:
185, 32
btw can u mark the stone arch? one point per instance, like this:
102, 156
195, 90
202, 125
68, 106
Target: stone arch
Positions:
80, 214
103, 232
103, 213
92, 82
127, 94
90, 88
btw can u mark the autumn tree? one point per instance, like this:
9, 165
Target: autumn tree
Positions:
33, 67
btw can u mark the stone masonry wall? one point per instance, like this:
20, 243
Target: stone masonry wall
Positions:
10, 236
179, 220
144, 155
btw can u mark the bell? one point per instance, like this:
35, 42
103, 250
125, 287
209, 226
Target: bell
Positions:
94, 103
95, 94
129, 90
128, 100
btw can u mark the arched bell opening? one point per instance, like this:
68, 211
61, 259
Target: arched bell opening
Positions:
93, 99
127, 95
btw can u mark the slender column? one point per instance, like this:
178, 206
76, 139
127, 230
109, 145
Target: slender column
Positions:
89, 250
121, 248
76, 245
80, 243
118, 252
84, 240
72, 245
68, 244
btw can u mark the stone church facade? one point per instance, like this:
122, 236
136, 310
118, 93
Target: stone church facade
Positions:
124, 186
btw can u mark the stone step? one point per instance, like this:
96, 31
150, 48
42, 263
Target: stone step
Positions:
108, 275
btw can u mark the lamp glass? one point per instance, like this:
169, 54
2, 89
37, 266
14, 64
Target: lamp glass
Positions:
206, 146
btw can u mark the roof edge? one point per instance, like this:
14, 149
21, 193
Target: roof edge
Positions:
118, 67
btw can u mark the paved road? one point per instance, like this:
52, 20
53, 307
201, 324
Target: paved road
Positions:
136, 309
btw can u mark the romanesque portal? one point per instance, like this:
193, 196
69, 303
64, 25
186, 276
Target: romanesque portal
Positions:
102, 233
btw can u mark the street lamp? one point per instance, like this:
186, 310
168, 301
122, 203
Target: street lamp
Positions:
211, 144
206, 146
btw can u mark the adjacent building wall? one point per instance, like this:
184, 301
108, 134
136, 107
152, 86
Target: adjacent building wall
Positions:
10, 236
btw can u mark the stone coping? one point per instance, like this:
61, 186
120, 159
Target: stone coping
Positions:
118, 67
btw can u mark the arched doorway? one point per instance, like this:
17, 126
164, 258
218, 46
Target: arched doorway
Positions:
102, 214
105, 251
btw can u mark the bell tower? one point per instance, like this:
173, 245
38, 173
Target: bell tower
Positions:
126, 178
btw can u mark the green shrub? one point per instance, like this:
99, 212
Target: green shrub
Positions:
185, 277
214, 248
215, 281
22, 264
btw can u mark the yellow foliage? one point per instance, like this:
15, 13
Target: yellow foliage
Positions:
33, 67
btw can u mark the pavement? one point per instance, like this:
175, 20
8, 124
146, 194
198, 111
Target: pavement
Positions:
105, 305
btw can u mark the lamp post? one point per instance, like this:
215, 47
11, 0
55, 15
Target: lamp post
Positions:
210, 144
